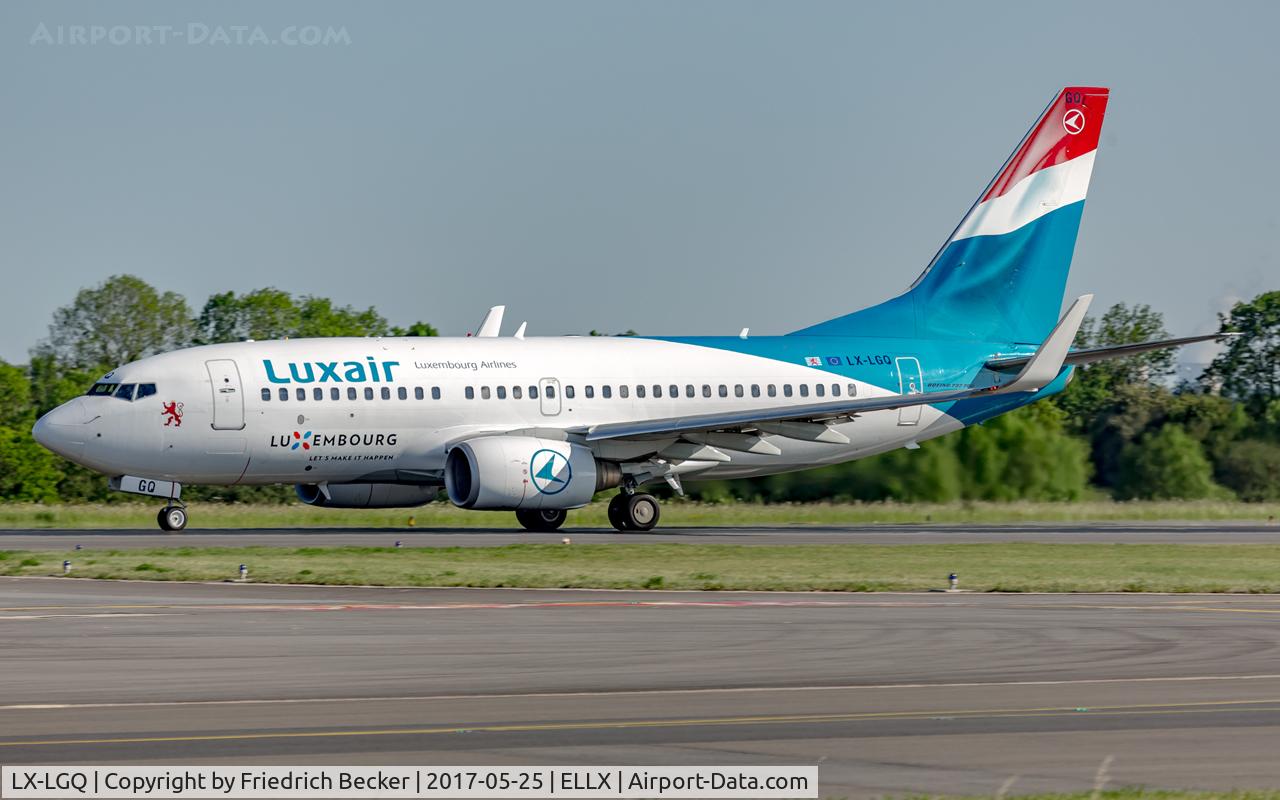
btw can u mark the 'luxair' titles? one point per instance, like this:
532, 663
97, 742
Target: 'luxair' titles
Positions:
333, 371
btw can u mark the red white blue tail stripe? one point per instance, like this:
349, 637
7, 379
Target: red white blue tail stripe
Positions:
1051, 168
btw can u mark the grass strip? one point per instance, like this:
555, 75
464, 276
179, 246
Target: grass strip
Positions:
674, 514
1006, 567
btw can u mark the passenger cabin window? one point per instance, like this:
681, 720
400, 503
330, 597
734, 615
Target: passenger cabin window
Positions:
266, 394
657, 390
417, 393
470, 393
502, 393
125, 392
786, 390
724, 390
624, 391
403, 393
820, 390
484, 393
301, 393
590, 391
317, 393
737, 390
835, 390
533, 392
368, 393
688, 390
145, 390
606, 391
640, 390
568, 392
335, 393
706, 390
516, 392
284, 393
435, 392
755, 390
773, 390
673, 391
351, 393
853, 390
804, 390
386, 393
550, 391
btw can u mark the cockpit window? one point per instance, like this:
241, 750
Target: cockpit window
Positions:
124, 391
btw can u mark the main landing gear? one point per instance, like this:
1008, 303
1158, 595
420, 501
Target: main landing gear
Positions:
172, 518
542, 521
635, 511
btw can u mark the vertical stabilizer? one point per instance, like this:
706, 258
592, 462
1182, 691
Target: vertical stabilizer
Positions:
1002, 273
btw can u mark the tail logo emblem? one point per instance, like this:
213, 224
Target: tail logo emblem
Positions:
1073, 121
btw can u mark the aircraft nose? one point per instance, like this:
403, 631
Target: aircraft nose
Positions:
63, 429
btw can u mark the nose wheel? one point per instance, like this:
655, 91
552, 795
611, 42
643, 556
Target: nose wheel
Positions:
172, 518
542, 521
634, 512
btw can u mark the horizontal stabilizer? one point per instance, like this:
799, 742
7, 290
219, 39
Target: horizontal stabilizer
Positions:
1092, 354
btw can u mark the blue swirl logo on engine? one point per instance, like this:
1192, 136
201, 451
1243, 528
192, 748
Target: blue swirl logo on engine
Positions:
550, 471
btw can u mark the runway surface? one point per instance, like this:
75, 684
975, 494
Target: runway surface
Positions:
1131, 532
888, 693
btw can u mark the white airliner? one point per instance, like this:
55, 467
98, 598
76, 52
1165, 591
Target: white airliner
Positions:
540, 425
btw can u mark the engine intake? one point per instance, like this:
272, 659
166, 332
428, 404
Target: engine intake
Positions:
525, 472
366, 495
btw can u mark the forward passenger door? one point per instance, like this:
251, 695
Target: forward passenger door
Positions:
228, 399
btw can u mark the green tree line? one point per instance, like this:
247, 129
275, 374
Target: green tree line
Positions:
1119, 429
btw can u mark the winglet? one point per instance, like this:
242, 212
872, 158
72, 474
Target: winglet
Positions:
1047, 362
492, 323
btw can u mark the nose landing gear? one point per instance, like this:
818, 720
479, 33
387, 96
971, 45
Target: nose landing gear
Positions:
172, 518
634, 512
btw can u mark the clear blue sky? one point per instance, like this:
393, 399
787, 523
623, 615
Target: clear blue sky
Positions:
677, 168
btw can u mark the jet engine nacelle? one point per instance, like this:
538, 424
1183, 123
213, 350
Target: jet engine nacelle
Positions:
525, 472
366, 495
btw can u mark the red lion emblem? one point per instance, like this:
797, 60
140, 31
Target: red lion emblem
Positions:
173, 414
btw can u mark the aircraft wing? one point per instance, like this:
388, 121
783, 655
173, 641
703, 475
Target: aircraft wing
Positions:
750, 418
1038, 371
1092, 354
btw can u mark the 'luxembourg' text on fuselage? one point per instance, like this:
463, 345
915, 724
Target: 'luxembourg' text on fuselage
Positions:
334, 371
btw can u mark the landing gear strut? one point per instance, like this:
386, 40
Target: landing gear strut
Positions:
542, 521
633, 512
172, 518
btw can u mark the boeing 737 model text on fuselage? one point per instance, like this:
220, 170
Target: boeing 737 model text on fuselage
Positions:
540, 425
